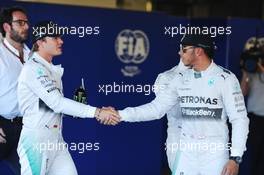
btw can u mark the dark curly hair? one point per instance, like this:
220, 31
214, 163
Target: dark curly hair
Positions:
6, 16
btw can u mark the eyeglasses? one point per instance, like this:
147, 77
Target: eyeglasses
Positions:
21, 22
185, 48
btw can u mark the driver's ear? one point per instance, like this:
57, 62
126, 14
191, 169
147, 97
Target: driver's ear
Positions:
198, 51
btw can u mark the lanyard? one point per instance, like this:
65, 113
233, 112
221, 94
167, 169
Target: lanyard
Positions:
20, 58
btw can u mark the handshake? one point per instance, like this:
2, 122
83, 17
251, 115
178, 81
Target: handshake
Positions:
107, 116
104, 115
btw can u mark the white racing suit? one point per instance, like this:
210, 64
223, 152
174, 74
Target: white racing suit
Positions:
41, 148
206, 101
173, 115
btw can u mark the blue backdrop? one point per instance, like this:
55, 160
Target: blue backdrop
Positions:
129, 148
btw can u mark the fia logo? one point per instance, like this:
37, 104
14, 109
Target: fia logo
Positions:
250, 43
132, 47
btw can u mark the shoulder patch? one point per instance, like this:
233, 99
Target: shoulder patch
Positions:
33, 59
225, 70
224, 77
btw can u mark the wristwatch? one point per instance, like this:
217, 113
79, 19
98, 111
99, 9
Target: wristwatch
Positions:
237, 159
